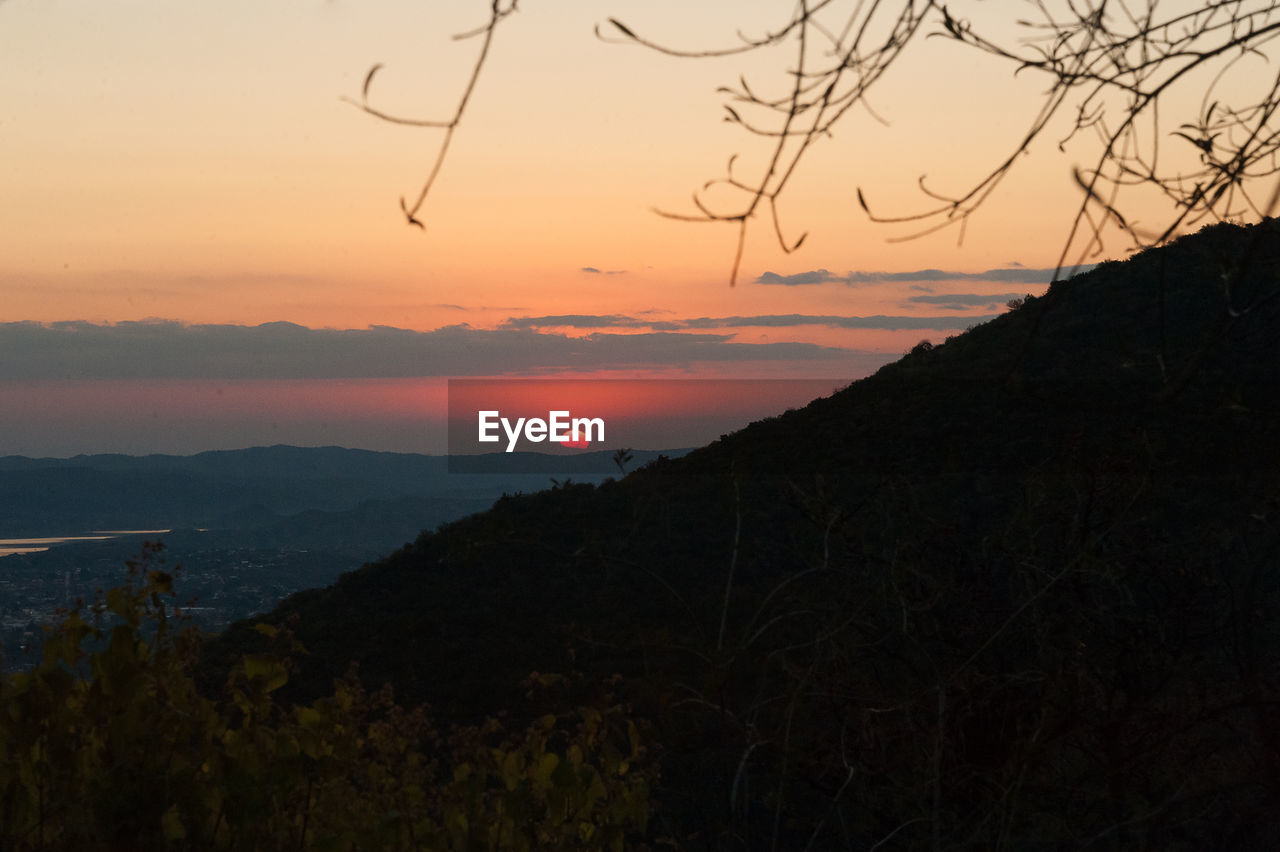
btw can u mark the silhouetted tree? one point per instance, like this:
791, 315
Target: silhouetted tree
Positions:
1121, 70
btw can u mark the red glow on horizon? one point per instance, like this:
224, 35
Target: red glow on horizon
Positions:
400, 415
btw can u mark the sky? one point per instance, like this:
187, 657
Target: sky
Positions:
201, 243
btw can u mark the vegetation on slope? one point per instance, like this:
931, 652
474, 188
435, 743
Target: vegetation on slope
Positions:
108, 745
1016, 589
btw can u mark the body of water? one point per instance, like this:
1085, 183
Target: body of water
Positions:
10, 546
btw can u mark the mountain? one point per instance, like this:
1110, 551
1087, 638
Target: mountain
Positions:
1017, 590
251, 487
54, 496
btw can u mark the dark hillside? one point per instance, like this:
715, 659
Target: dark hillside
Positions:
1020, 589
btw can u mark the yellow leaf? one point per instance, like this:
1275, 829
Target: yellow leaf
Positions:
510, 770
171, 823
272, 674
308, 717
546, 765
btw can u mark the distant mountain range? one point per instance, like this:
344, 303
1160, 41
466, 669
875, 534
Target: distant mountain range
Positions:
1019, 590
252, 488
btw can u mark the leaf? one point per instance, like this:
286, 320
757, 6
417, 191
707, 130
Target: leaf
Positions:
949, 23
547, 765
1204, 144
624, 29
269, 673
308, 717
409, 216
171, 824
364, 93
633, 734
563, 776
509, 769
161, 581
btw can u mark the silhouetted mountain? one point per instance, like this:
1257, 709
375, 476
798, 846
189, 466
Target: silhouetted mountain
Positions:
1020, 589
364, 531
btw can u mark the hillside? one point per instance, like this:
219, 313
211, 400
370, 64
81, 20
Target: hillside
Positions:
1019, 589
248, 526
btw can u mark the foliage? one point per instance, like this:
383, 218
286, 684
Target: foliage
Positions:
107, 744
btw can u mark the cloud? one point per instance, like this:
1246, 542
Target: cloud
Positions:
878, 321
817, 276
591, 269
580, 321
1018, 275
31, 351
966, 301
595, 271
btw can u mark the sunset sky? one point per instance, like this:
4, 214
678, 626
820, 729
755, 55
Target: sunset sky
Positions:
201, 244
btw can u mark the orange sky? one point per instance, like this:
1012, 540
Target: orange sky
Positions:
194, 162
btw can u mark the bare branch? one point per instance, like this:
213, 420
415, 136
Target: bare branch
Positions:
1109, 66
497, 12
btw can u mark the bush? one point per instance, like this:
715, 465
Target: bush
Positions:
107, 744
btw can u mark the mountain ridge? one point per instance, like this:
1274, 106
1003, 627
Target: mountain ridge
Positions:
53, 496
